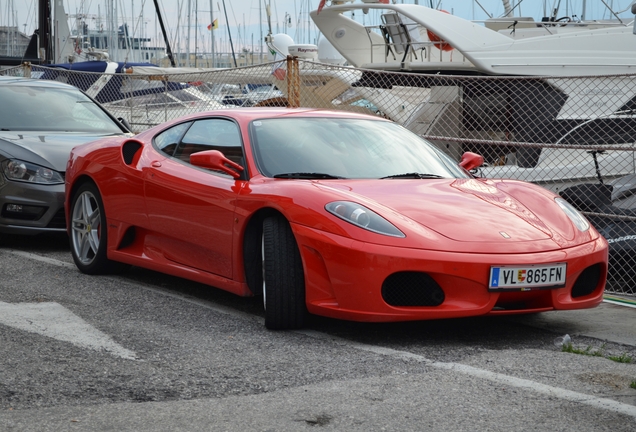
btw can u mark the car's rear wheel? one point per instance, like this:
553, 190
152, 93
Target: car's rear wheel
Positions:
89, 232
283, 277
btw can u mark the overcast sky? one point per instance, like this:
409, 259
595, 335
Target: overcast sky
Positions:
247, 18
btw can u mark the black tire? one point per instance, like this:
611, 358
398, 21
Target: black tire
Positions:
88, 235
283, 278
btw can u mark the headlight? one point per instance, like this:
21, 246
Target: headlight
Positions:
18, 170
363, 217
575, 216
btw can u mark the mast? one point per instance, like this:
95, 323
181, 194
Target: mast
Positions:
44, 30
507, 8
188, 35
196, 29
165, 35
212, 32
584, 10
229, 33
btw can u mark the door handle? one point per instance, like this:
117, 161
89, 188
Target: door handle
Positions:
156, 164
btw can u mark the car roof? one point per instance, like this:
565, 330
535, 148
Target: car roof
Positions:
10, 80
254, 113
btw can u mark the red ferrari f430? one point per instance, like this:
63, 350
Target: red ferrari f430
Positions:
337, 214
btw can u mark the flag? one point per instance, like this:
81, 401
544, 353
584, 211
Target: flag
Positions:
214, 25
321, 5
279, 74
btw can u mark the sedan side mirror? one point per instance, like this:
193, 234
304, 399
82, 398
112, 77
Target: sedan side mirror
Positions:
215, 160
471, 161
125, 123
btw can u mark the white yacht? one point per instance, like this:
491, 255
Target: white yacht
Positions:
512, 80
417, 38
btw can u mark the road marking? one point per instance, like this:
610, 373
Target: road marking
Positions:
42, 259
619, 301
55, 321
572, 396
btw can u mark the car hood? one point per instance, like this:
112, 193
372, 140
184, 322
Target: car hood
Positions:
47, 149
469, 210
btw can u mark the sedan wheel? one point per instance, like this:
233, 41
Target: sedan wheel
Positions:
283, 277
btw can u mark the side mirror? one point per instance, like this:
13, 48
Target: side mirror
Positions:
471, 161
125, 123
215, 160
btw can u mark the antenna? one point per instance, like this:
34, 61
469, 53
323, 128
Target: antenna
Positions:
269, 39
268, 12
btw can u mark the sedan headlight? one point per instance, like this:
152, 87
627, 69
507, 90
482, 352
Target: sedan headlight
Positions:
362, 217
17, 170
575, 216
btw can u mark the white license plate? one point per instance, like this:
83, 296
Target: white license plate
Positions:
525, 278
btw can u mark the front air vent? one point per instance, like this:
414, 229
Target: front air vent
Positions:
587, 281
412, 289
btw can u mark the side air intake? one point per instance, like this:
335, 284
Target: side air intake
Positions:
587, 281
129, 150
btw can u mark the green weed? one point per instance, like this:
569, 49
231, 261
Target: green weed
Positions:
587, 351
623, 358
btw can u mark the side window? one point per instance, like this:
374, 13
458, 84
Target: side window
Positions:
167, 140
212, 134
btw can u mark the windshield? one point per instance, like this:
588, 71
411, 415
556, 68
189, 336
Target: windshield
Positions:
346, 148
32, 108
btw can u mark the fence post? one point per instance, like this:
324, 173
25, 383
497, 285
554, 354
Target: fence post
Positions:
27, 69
293, 82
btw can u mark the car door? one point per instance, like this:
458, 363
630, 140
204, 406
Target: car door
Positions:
191, 209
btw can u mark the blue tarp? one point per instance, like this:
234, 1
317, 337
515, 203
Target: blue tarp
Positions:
114, 90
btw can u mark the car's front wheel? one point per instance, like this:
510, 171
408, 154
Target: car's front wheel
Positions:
89, 232
283, 276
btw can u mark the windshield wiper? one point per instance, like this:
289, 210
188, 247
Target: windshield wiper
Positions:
305, 176
413, 175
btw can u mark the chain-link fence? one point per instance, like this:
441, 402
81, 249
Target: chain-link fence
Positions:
573, 135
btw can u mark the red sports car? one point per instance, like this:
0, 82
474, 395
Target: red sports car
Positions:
336, 214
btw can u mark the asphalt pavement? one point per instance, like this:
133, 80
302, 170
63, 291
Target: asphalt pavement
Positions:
180, 356
614, 322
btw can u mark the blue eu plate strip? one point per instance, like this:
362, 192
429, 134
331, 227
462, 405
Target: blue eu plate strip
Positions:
494, 278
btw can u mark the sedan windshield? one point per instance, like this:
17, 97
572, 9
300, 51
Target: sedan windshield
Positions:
33, 108
322, 148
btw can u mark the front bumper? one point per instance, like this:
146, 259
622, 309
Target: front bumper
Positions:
344, 279
42, 208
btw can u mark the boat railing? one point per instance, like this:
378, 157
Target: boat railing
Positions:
403, 42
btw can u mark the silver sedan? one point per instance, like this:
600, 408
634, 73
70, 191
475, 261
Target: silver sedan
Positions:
40, 122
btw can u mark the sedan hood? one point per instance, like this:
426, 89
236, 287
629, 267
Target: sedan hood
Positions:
470, 210
47, 149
